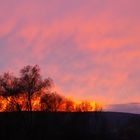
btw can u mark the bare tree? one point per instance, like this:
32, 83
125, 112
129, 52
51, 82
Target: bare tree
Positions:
69, 105
98, 108
10, 89
84, 106
51, 102
32, 82
9, 84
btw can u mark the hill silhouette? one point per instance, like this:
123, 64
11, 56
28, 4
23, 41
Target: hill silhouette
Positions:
88, 125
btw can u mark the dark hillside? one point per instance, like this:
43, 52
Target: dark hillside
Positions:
89, 125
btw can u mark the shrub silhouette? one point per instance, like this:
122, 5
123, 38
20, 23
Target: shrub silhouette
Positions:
51, 102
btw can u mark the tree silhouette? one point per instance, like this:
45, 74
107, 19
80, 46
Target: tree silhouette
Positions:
32, 82
84, 106
10, 89
69, 105
51, 102
98, 108
9, 85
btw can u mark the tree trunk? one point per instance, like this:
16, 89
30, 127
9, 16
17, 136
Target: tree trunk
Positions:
30, 113
29, 102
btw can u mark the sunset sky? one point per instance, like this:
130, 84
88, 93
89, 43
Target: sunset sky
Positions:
90, 48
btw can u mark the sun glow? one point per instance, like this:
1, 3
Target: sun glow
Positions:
11, 104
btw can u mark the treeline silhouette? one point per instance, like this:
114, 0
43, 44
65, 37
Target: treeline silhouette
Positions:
30, 92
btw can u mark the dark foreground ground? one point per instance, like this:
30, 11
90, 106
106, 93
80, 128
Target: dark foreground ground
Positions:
87, 125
